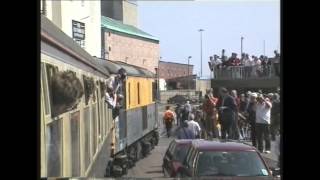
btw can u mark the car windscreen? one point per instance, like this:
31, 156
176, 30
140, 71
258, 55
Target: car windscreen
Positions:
181, 152
230, 163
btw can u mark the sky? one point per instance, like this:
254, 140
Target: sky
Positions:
176, 24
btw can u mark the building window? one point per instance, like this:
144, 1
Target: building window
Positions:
109, 33
109, 48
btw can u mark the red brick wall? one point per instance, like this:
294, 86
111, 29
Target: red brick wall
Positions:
172, 70
138, 52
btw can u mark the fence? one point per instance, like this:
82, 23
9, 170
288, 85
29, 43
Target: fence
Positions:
247, 72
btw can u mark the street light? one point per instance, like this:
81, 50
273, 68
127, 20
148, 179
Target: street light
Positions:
188, 71
158, 79
200, 30
241, 44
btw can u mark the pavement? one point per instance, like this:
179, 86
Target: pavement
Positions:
151, 166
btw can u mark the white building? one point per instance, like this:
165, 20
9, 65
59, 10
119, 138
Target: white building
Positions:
163, 85
62, 13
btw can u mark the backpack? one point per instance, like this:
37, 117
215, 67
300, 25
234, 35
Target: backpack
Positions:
168, 116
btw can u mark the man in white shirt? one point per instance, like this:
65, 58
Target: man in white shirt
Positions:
215, 63
263, 112
194, 126
247, 66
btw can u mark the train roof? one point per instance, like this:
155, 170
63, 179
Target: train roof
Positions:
132, 70
53, 35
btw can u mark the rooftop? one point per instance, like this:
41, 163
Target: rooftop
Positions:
175, 63
118, 26
221, 146
183, 141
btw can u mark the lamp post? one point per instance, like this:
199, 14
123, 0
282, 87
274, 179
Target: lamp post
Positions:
242, 44
189, 71
200, 30
158, 79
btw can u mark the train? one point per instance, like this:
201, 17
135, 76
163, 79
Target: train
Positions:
79, 137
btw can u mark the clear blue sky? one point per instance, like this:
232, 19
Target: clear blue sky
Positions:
176, 24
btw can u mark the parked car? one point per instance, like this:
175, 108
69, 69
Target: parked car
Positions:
226, 160
174, 156
180, 99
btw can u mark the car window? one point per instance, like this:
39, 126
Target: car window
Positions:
191, 159
180, 152
171, 150
188, 156
170, 146
230, 164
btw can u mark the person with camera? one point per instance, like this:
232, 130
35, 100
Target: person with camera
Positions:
263, 113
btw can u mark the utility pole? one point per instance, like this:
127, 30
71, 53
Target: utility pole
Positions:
200, 30
188, 71
241, 45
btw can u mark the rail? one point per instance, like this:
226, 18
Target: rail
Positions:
246, 72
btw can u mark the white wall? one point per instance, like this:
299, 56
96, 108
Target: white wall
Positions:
88, 12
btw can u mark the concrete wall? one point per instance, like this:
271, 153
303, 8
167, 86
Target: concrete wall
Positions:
202, 85
61, 13
120, 10
130, 13
170, 70
112, 9
132, 50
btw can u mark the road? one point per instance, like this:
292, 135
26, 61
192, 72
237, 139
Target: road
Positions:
150, 166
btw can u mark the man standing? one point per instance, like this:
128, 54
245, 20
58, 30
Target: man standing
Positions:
276, 63
186, 111
178, 114
227, 111
275, 116
194, 126
251, 111
184, 132
209, 108
168, 119
263, 110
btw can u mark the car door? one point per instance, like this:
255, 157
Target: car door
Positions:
168, 157
189, 163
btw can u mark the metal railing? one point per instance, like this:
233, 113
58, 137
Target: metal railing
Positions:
246, 72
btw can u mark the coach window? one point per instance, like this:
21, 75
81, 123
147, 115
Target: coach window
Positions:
54, 149
87, 157
51, 71
75, 138
88, 88
45, 89
94, 129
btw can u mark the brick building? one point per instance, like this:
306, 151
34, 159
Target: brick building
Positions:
170, 70
126, 43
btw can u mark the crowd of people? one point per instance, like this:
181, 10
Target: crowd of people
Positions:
251, 116
245, 66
